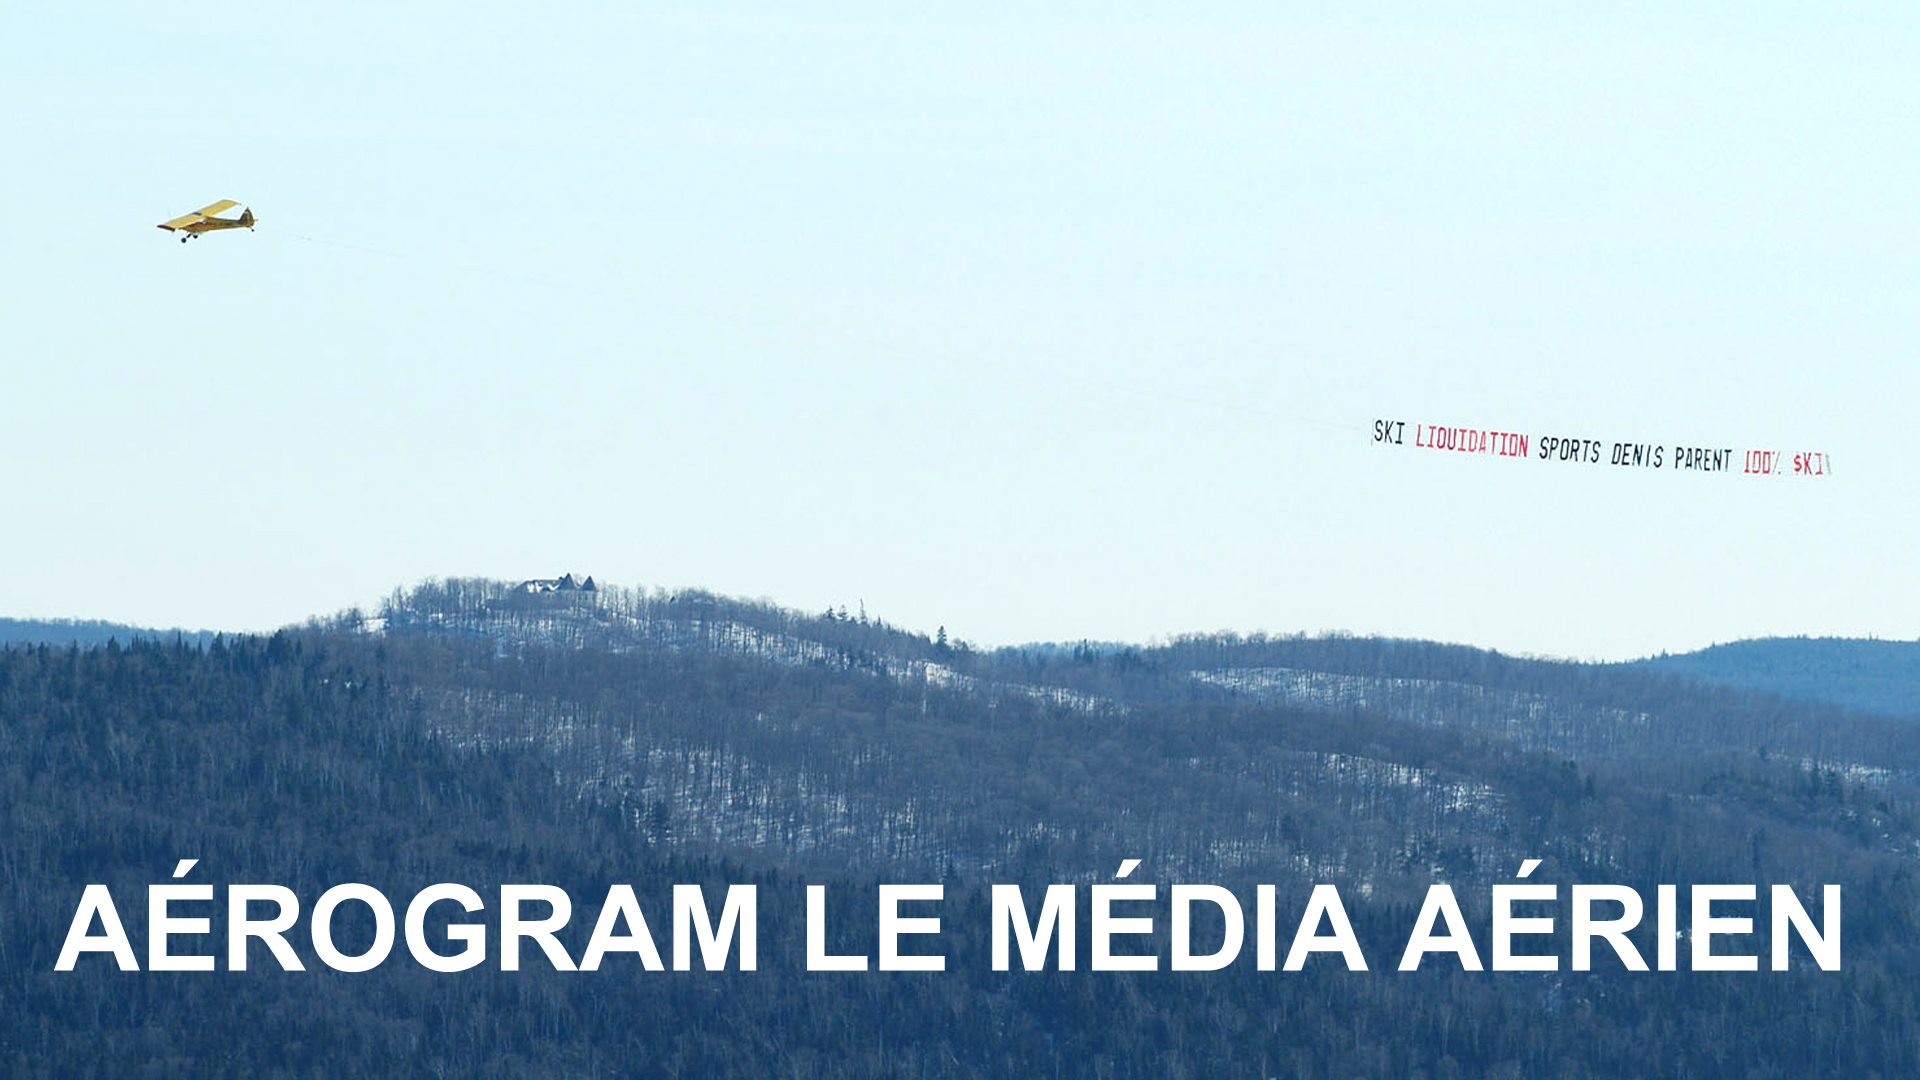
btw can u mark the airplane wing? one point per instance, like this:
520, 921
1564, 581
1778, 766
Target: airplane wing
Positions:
199, 215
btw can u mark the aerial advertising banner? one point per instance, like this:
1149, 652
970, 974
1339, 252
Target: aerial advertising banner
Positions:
1577, 449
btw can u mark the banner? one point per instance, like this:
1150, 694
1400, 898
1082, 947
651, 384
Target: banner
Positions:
1674, 456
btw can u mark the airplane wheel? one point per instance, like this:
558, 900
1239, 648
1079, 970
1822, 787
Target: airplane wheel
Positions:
184, 239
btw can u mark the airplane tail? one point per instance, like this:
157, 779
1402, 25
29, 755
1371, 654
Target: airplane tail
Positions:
246, 218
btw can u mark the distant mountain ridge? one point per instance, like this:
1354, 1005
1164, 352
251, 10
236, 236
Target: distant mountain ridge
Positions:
1862, 674
88, 632
1866, 674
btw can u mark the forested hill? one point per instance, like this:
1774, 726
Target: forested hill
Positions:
475, 734
823, 738
1869, 675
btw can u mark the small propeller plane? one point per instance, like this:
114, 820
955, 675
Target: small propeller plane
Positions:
204, 221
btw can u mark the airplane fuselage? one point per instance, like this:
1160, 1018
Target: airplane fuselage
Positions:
211, 224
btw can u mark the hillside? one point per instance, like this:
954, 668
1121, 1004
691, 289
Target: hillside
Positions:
470, 733
743, 719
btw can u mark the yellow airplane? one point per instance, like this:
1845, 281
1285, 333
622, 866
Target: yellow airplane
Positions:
204, 221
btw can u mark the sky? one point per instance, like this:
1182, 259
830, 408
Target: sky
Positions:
1035, 322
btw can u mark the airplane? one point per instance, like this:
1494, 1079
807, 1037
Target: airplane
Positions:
203, 220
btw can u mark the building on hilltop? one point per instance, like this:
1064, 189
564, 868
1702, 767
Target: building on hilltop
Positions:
560, 584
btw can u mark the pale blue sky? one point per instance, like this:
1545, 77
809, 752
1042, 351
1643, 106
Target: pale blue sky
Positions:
1049, 323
